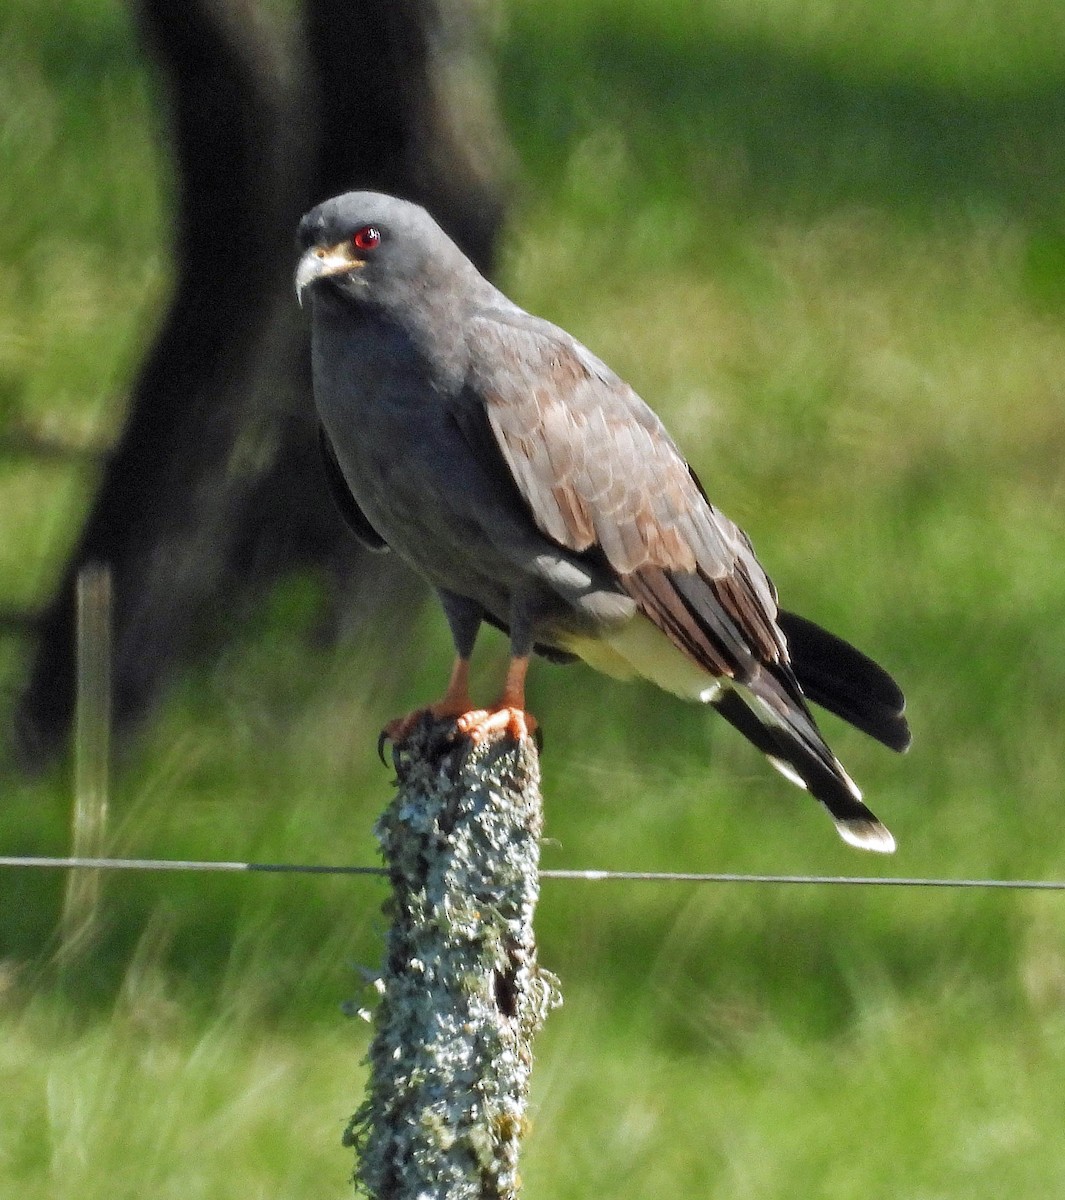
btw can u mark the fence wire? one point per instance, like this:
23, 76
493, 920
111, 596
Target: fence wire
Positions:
590, 875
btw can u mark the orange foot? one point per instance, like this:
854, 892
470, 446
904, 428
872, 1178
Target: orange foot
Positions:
477, 724
482, 723
398, 730
507, 717
456, 701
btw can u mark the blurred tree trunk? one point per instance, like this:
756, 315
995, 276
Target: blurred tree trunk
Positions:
214, 489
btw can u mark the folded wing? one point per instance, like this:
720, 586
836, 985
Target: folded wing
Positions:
600, 473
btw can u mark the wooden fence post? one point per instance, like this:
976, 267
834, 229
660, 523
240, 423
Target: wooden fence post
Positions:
461, 993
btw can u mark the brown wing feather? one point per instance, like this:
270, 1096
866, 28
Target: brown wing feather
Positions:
595, 465
598, 469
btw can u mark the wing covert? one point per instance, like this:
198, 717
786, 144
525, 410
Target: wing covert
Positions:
591, 460
599, 472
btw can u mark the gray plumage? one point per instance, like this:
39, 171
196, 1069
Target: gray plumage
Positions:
534, 489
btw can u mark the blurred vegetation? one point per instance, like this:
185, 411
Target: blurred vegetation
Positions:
826, 242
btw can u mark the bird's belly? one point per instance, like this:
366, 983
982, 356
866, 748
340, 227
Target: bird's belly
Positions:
640, 649
422, 526
419, 491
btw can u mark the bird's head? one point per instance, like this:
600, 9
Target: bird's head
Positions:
365, 248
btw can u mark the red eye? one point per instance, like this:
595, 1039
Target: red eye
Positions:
366, 238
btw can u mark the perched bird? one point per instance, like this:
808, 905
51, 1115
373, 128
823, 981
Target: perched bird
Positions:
535, 490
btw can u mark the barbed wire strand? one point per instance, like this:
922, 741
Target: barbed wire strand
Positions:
42, 862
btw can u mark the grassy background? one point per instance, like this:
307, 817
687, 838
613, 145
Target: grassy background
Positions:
826, 241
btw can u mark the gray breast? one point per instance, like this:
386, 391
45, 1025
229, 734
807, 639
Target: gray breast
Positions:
386, 410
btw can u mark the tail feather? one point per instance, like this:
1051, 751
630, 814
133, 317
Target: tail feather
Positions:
786, 734
835, 675
724, 627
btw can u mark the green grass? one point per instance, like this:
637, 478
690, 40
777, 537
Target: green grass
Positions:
824, 241
148, 1101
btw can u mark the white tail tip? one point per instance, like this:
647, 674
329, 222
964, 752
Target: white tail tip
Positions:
866, 835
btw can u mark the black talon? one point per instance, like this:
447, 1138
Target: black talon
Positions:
382, 737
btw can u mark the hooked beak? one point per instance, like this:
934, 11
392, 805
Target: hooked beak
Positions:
319, 263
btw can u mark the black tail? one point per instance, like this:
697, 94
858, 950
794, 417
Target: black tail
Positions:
835, 675
780, 726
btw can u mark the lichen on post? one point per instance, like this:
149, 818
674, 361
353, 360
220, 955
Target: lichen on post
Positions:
461, 993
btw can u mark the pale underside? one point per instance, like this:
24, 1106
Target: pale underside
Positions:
639, 649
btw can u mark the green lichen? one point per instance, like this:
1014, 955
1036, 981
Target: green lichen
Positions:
461, 992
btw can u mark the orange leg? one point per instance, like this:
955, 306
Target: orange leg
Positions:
454, 703
456, 699
508, 714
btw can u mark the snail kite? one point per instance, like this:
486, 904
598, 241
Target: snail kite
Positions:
535, 490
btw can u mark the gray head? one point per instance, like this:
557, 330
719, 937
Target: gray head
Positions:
370, 250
